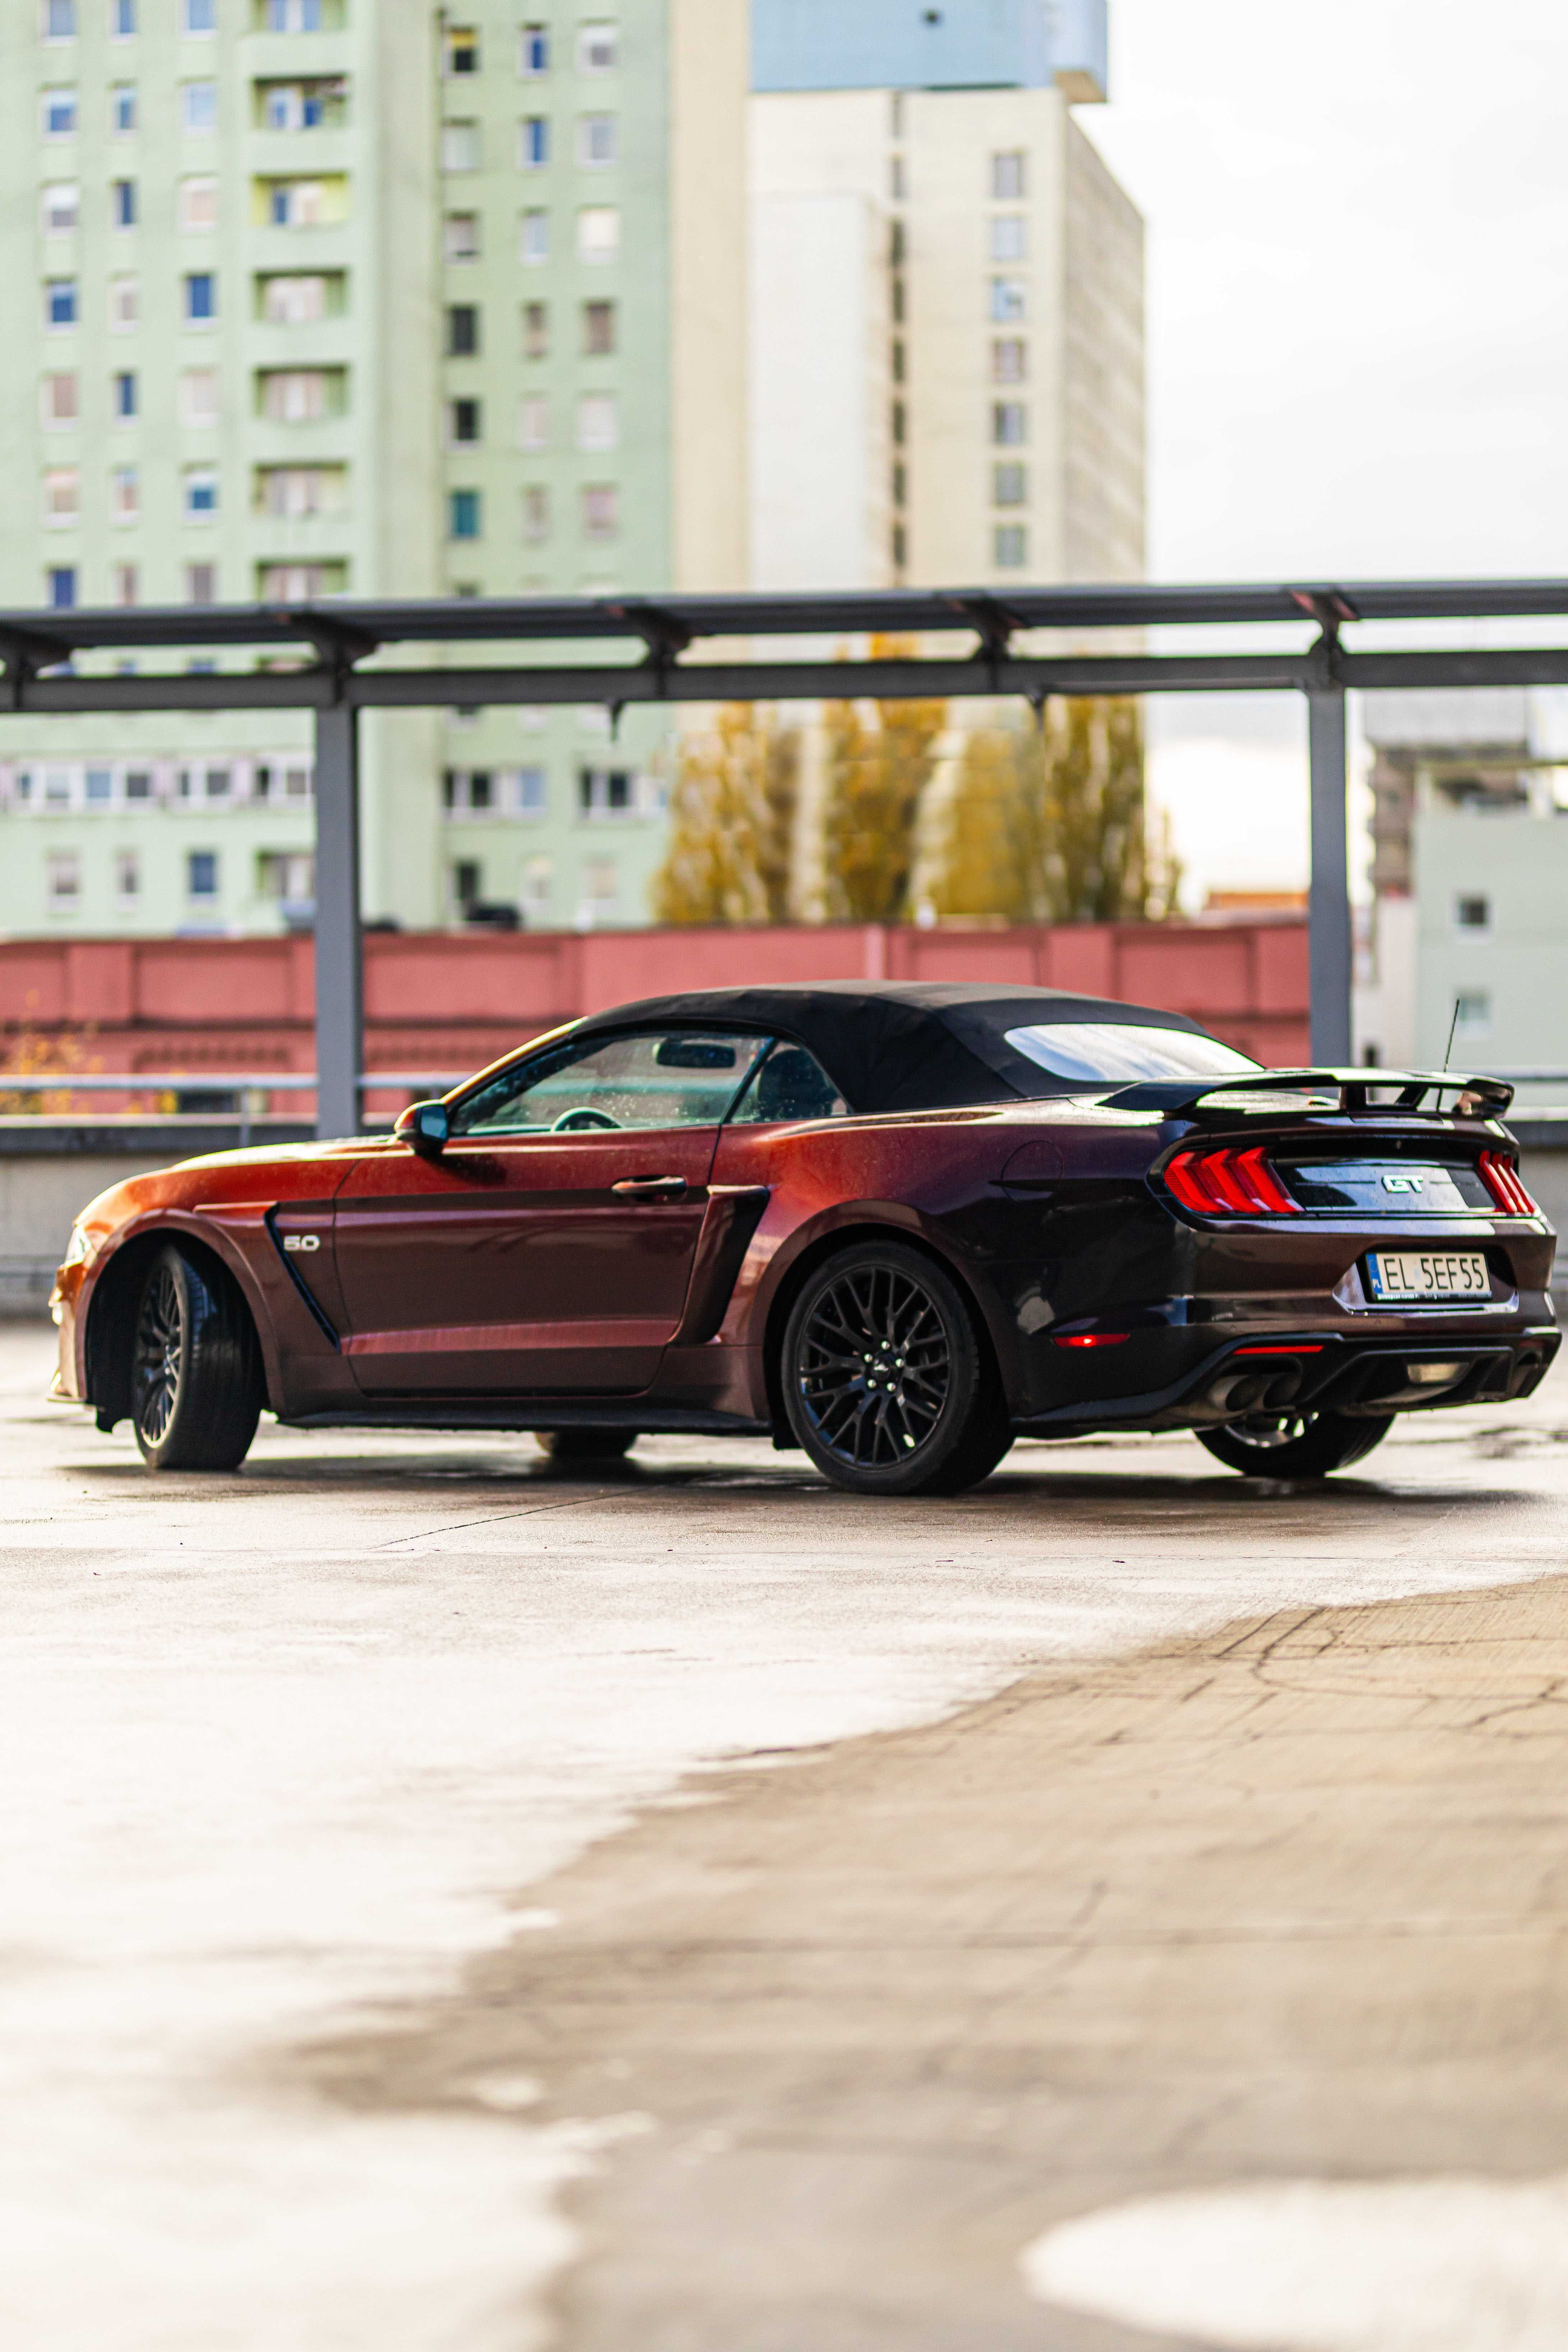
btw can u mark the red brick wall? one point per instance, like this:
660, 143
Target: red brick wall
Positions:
452, 1002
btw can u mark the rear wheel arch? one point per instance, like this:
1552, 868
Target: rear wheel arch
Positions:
799, 1270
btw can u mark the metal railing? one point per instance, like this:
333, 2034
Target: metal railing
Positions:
246, 1086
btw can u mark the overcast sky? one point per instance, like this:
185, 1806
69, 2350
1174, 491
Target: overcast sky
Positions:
1358, 319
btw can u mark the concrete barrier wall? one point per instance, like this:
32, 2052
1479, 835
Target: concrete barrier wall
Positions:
49, 1169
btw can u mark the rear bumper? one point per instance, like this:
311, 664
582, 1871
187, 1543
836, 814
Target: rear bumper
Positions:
1320, 1371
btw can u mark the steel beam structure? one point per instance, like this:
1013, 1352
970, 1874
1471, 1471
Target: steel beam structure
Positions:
331, 658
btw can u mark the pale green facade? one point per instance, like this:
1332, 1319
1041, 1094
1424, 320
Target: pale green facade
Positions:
242, 269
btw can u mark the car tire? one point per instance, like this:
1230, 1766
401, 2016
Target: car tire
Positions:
578, 1448
889, 1381
1295, 1445
197, 1380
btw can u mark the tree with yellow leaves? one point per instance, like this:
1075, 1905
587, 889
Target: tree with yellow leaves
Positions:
731, 822
1048, 823
879, 762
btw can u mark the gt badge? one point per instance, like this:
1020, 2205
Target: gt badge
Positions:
1402, 1183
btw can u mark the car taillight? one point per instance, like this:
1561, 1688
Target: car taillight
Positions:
1501, 1178
1229, 1183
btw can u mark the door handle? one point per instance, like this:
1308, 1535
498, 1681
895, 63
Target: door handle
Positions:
648, 1188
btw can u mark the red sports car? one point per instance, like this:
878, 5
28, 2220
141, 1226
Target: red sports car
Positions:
897, 1226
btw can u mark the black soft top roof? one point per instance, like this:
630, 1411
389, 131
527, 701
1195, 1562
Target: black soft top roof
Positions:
891, 1046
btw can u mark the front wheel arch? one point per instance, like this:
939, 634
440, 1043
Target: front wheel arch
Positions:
113, 1310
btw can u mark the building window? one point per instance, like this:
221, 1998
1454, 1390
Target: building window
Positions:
124, 304
125, 585
1009, 177
127, 876
61, 401
1009, 484
536, 513
293, 301
201, 493
293, 584
98, 787
1009, 424
1008, 300
461, 148
533, 422
1009, 360
535, 241
598, 234
463, 420
292, 492
464, 514
59, 20
462, 236
122, 204
598, 141
598, 421
462, 49
536, 331
58, 787
294, 16
901, 484
900, 424
598, 47
533, 56
60, 115
1472, 914
198, 17
605, 793
899, 367
530, 793
125, 495
63, 871
533, 142
295, 395
897, 179
123, 109
901, 546
300, 204
534, 905
124, 395
122, 19
201, 297
601, 510
201, 874
201, 584
198, 107
1472, 1013
61, 302
1010, 236
199, 205
62, 207
462, 330
287, 877
60, 586
62, 497
1011, 547
199, 396
138, 781
598, 329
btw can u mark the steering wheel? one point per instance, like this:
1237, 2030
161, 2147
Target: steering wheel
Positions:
571, 1120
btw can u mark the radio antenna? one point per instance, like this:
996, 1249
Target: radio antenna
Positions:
1453, 1027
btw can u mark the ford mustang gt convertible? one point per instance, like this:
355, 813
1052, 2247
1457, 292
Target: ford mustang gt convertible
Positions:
897, 1226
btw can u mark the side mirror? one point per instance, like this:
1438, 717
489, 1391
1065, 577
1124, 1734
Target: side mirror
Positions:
427, 1127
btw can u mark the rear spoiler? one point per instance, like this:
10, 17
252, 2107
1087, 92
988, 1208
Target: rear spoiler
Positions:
1350, 1090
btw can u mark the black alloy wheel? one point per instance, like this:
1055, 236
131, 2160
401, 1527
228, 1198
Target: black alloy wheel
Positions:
196, 1382
574, 1449
888, 1380
1294, 1445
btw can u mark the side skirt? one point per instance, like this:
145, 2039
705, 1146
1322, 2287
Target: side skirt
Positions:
648, 1420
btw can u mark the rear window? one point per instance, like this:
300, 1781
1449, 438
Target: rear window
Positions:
1122, 1052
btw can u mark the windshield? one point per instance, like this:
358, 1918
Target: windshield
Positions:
1098, 1051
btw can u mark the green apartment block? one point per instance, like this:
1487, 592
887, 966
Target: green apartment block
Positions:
308, 298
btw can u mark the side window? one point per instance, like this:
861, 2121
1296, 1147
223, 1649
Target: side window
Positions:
791, 1085
661, 1078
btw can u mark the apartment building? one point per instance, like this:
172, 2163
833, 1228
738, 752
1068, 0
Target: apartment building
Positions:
947, 299
308, 298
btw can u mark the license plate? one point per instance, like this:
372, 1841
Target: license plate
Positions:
1428, 1275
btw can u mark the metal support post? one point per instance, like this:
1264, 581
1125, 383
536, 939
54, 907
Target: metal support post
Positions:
340, 984
1329, 904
